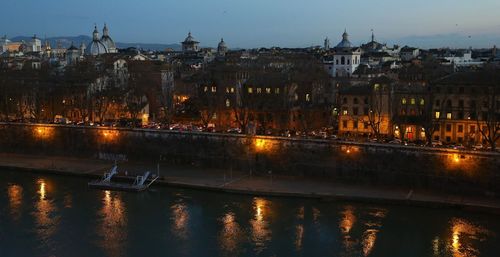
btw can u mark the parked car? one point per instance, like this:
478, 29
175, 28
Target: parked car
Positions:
436, 143
395, 141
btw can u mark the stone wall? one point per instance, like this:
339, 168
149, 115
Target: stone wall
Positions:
346, 162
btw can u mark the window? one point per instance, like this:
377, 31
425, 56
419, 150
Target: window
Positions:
348, 61
344, 110
268, 90
232, 90
472, 129
365, 125
448, 139
259, 90
460, 139
355, 100
412, 101
308, 97
461, 103
228, 103
422, 101
342, 60
448, 115
344, 124
344, 101
355, 110
448, 127
366, 100
438, 103
205, 89
250, 90
460, 115
214, 89
337, 61
460, 128
355, 124
448, 103
403, 100
227, 90
365, 111
437, 115
277, 90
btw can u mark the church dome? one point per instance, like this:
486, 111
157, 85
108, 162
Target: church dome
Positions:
222, 44
96, 47
345, 43
106, 39
190, 39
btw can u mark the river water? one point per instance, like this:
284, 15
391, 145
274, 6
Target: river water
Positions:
43, 215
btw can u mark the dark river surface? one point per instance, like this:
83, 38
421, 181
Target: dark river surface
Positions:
44, 215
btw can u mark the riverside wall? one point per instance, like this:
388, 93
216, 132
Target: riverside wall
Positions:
347, 162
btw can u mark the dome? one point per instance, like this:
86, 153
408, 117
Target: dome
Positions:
96, 47
222, 44
345, 43
72, 47
106, 39
190, 39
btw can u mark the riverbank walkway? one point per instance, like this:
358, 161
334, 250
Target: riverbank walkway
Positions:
245, 183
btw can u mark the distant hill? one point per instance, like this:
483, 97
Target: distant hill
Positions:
66, 43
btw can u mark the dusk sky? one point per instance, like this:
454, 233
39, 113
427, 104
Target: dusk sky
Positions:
255, 23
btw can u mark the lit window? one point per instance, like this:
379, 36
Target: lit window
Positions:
438, 114
403, 100
205, 89
344, 112
232, 90
214, 89
308, 97
277, 90
259, 90
228, 103
412, 101
422, 101
448, 115
227, 90
268, 90
250, 90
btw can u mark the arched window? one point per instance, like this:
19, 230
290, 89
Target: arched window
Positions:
348, 61
355, 100
403, 100
344, 101
337, 61
342, 60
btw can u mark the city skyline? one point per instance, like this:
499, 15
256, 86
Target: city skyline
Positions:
258, 24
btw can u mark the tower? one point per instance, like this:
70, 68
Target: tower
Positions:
327, 44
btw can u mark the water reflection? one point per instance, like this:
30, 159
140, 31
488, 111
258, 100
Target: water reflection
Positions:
464, 235
355, 244
231, 234
113, 225
46, 221
180, 218
299, 229
373, 227
15, 193
259, 226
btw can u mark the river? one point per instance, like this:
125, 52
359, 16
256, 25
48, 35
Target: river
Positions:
45, 215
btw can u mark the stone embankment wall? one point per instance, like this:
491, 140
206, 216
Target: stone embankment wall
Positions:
346, 162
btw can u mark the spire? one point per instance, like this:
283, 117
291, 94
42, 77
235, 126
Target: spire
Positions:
96, 33
373, 36
105, 31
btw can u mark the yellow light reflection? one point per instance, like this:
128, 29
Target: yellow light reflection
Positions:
15, 193
369, 238
260, 227
347, 221
299, 229
109, 135
180, 217
263, 145
113, 224
43, 132
231, 235
46, 224
463, 235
